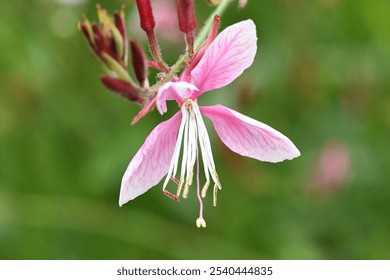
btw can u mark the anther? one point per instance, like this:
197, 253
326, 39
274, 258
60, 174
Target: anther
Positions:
180, 186
204, 189
215, 195
175, 180
171, 195
218, 181
186, 190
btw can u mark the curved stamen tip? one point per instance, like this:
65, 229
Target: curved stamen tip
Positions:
200, 222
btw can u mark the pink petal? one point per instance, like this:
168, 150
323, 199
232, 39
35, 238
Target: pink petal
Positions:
146, 109
249, 137
178, 91
226, 58
151, 162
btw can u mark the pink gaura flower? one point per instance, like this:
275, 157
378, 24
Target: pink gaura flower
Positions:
333, 167
184, 136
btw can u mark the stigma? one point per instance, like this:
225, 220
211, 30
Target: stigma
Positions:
192, 141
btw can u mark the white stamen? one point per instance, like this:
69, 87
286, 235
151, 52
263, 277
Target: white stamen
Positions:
185, 148
189, 151
180, 137
191, 132
176, 152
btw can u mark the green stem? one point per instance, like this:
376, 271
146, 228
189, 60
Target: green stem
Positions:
180, 63
206, 28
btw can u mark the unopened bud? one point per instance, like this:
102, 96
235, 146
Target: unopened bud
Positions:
100, 42
107, 37
120, 87
138, 60
146, 15
119, 18
186, 13
88, 33
187, 22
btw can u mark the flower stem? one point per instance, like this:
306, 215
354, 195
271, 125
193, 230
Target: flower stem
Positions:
156, 52
180, 63
206, 28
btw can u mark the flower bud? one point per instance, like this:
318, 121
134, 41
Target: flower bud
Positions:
120, 87
119, 19
138, 60
146, 15
107, 38
186, 14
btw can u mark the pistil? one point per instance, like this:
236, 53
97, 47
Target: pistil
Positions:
200, 222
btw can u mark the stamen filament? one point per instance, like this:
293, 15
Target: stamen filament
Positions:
189, 152
193, 134
180, 137
185, 148
176, 152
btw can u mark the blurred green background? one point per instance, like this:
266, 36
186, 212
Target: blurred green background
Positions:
320, 77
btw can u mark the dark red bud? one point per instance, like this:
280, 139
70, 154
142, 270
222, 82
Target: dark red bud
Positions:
146, 15
138, 60
112, 47
119, 23
101, 44
186, 14
86, 34
95, 29
120, 87
99, 40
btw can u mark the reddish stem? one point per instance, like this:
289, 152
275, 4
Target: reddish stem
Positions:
156, 52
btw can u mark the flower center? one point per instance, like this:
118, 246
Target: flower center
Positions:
192, 134
188, 105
